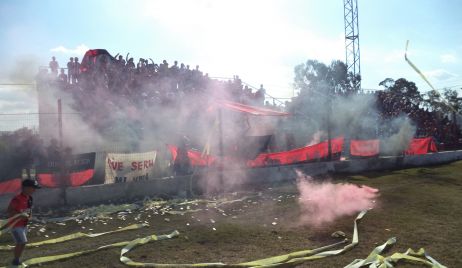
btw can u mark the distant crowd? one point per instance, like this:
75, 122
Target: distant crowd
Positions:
428, 123
149, 83
152, 83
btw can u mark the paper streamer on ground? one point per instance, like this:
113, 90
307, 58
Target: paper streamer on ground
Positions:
376, 260
288, 260
47, 259
76, 236
413, 257
296, 258
278, 261
372, 258
100, 211
291, 259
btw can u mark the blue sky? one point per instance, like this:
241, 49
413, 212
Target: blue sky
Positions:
261, 41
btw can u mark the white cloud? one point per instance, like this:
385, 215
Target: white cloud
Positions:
79, 50
448, 58
17, 99
440, 75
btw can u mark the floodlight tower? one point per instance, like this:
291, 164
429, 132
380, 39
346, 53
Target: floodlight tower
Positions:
350, 9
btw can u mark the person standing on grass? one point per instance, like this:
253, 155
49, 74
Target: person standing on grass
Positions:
21, 203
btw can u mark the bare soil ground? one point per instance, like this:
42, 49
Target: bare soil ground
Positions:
421, 207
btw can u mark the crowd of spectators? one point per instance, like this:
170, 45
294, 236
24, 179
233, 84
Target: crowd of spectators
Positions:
149, 82
429, 123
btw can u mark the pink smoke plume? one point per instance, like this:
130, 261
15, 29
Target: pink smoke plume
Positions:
323, 202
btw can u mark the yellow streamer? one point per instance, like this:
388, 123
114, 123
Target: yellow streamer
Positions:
76, 236
46, 259
376, 260
425, 78
287, 260
413, 257
278, 261
415, 67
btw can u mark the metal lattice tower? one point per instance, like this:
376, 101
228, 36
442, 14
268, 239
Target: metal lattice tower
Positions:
352, 40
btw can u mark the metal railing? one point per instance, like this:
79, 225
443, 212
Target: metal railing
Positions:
279, 101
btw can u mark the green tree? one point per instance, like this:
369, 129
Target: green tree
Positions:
453, 103
319, 83
432, 101
313, 74
447, 103
321, 103
402, 91
18, 150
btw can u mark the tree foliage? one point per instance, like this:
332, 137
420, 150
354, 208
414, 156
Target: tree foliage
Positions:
402, 91
321, 87
452, 101
313, 74
318, 83
447, 103
18, 150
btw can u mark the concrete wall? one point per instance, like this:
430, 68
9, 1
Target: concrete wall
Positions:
206, 180
107, 192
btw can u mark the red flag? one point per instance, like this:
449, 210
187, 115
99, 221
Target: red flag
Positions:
195, 157
365, 147
421, 146
77, 178
10, 186
307, 153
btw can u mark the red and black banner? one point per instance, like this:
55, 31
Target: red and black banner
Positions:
361, 148
421, 146
74, 170
305, 154
10, 186
10, 177
365, 148
195, 157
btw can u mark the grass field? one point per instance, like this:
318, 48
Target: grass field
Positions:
421, 207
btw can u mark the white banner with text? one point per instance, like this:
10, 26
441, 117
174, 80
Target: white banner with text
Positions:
129, 167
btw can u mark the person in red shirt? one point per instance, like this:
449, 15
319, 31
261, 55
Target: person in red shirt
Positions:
21, 203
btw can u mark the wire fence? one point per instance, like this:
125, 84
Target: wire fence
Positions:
39, 131
12, 122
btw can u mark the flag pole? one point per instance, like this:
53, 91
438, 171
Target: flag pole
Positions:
220, 145
60, 123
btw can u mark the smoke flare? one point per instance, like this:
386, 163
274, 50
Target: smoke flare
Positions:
324, 202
